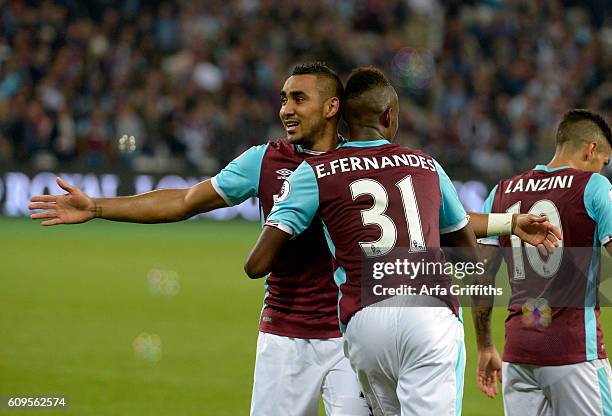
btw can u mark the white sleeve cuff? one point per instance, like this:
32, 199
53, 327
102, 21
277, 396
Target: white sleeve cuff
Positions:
218, 189
606, 240
455, 227
284, 228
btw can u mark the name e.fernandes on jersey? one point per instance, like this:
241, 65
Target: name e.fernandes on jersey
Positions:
354, 163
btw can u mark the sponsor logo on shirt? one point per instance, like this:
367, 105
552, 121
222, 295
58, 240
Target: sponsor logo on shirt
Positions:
283, 173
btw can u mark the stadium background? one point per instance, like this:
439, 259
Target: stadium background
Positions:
131, 319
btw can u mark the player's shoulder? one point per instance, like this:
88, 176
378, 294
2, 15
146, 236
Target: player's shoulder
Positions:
279, 143
397, 149
283, 148
599, 179
409, 150
597, 186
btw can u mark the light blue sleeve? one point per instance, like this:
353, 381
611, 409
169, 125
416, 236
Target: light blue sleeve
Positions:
297, 203
239, 180
487, 207
452, 215
598, 203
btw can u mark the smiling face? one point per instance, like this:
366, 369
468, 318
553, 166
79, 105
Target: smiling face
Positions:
302, 111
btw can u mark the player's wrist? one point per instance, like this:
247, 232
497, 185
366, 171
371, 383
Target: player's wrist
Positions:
487, 346
501, 224
95, 209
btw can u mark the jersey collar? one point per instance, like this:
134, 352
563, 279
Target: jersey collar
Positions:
369, 143
547, 169
302, 149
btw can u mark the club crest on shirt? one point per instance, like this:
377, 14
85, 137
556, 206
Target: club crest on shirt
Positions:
283, 173
283, 193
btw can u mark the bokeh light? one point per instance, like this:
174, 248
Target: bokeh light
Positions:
537, 313
148, 348
414, 68
127, 144
163, 282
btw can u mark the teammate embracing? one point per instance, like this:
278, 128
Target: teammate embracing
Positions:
554, 361
373, 196
299, 354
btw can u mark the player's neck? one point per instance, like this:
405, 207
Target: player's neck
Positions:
326, 144
365, 134
560, 160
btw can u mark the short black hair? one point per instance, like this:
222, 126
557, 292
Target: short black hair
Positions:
320, 69
578, 122
364, 79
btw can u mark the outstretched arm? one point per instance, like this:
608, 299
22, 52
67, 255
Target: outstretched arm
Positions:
165, 205
235, 183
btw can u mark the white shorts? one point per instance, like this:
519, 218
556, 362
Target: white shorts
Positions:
409, 360
291, 375
581, 389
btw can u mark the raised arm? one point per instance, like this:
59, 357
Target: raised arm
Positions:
165, 205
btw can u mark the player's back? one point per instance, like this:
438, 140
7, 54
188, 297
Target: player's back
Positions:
553, 317
375, 197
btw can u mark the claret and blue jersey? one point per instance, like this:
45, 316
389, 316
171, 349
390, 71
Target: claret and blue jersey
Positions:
300, 299
580, 204
371, 196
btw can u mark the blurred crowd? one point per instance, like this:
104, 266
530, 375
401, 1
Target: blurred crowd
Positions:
482, 83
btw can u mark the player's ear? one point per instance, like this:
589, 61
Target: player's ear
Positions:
591, 150
387, 117
332, 107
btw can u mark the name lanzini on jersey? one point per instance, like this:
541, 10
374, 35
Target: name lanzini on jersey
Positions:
353, 163
539, 185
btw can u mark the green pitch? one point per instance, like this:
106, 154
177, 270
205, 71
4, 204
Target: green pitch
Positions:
83, 307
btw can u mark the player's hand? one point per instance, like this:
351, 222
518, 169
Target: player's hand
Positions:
488, 371
74, 207
538, 231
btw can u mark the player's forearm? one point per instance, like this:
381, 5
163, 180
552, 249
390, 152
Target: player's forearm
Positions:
482, 310
482, 305
481, 316
165, 205
465, 241
479, 223
261, 258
